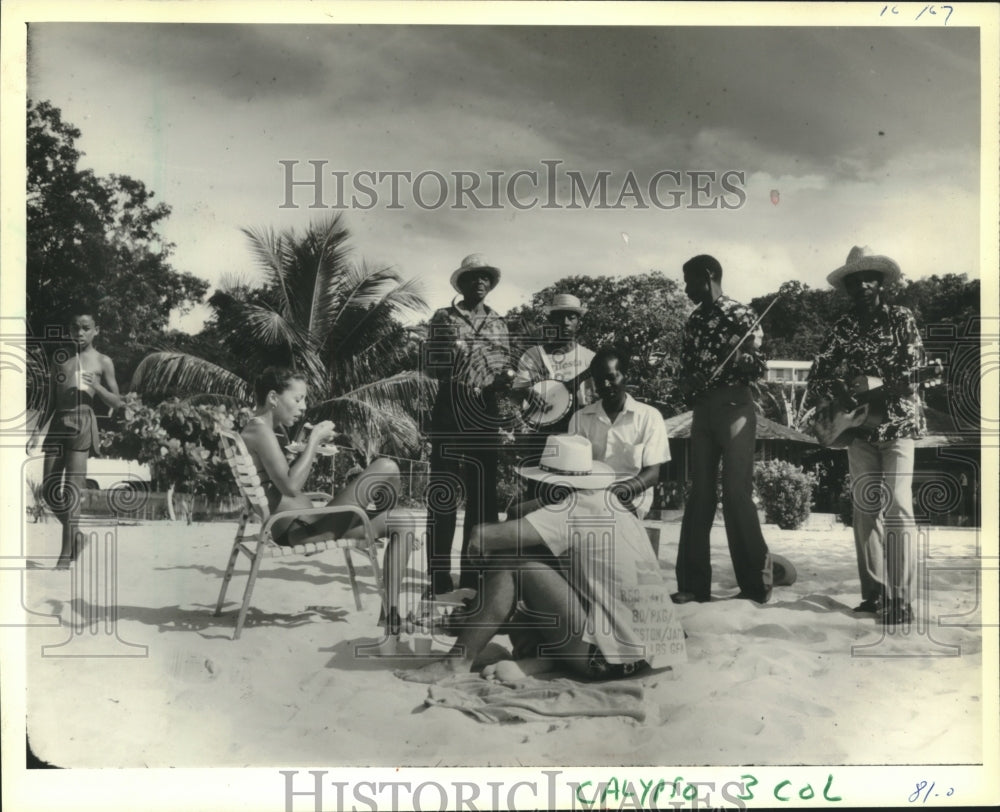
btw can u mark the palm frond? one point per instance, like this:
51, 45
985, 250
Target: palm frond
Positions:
406, 390
330, 264
275, 256
212, 399
403, 296
234, 283
183, 374
377, 428
270, 327
362, 286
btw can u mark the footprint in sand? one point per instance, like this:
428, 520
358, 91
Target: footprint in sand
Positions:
803, 708
775, 631
194, 668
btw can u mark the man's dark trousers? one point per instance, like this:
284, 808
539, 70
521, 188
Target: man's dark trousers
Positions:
460, 462
724, 425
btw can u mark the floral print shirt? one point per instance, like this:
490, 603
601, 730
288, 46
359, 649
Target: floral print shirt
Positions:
889, 348
710, 335
465, 351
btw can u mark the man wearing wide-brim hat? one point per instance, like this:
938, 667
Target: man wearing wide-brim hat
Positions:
468, 352
879, 341
583, 574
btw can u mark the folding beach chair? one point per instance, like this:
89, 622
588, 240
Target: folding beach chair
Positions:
261, 545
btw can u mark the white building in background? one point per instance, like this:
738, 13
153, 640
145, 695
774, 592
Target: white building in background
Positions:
792, 372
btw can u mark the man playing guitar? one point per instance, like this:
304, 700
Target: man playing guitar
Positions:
881, 341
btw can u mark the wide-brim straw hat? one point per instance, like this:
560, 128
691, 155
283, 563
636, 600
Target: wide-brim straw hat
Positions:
783, 571
569, 460
475, 262
860, 259
565, 303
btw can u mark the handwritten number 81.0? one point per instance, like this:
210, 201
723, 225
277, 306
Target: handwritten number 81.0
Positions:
922, 786
924, 10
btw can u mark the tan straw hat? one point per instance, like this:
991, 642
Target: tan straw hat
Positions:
565, 302
862, 259
569, 460
475, 262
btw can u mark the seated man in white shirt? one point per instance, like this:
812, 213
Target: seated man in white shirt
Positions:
627, 435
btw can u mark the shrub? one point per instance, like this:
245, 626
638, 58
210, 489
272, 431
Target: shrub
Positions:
785, 491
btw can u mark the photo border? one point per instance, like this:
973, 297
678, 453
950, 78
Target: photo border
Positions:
264, 788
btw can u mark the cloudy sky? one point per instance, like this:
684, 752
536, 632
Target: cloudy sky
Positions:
868, 135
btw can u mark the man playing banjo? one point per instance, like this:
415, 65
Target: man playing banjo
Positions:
879, 340
554, 377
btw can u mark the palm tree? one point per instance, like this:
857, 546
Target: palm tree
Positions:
332, 320
783, 403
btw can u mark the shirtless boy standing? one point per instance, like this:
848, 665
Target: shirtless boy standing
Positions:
72, 436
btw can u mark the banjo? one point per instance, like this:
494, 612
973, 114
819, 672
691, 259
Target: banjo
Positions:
547, 402
860, 404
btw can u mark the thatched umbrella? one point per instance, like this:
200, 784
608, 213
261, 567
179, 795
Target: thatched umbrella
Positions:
942, 430
768, 432
679, 427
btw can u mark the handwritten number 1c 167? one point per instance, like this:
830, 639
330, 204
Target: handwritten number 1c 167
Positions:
924, 790
932, 10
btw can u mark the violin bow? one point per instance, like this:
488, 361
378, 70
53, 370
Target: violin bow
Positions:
746, 335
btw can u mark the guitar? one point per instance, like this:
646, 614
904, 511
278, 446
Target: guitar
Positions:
860, 405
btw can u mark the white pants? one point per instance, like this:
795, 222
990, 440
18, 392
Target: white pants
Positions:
884, 530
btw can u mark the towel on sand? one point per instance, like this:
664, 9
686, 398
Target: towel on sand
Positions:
533, 699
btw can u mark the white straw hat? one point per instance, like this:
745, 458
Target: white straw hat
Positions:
860, 259
569, 459
565, 302
475, 262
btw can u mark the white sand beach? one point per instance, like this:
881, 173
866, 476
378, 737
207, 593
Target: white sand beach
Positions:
800, 680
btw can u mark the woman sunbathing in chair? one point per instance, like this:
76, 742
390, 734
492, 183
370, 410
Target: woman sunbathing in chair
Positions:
281, 401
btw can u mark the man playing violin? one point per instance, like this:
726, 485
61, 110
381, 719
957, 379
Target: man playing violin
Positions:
720, 357
879, 340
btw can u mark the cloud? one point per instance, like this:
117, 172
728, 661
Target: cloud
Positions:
870, 135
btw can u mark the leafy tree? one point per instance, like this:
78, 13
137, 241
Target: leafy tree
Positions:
644, 315
333, 321
178, 440
96, 239
798, 324
946, 308
796, 327
948, 299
